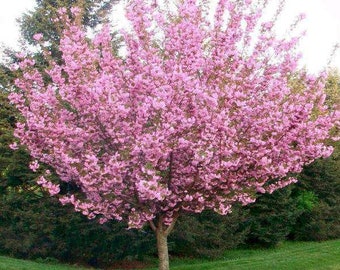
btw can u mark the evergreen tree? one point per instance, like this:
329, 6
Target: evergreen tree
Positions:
209, 234
42, 19
271, 219
321, 215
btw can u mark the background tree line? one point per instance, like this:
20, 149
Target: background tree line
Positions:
33, 225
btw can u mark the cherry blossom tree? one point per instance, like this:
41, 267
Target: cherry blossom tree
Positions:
199, 113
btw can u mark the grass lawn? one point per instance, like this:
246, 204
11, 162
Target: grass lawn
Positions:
288, 256
7, 263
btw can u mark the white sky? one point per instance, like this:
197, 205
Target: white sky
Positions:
322, 25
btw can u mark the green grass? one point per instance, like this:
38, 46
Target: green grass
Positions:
7, 263
288, 256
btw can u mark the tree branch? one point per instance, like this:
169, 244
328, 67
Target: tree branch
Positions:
172, 225
153, 226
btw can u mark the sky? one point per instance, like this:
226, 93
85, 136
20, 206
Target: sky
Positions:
322, 25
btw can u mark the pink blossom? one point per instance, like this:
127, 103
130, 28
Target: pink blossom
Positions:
14, 146
197, 115
38, 36
20, 55
53, 189
75, 10
34, 165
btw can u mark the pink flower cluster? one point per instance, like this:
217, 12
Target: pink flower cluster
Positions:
38, 36
198, 114
52, 188
34, 165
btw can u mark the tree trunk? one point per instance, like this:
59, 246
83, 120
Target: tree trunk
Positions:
162, 247
162, 231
